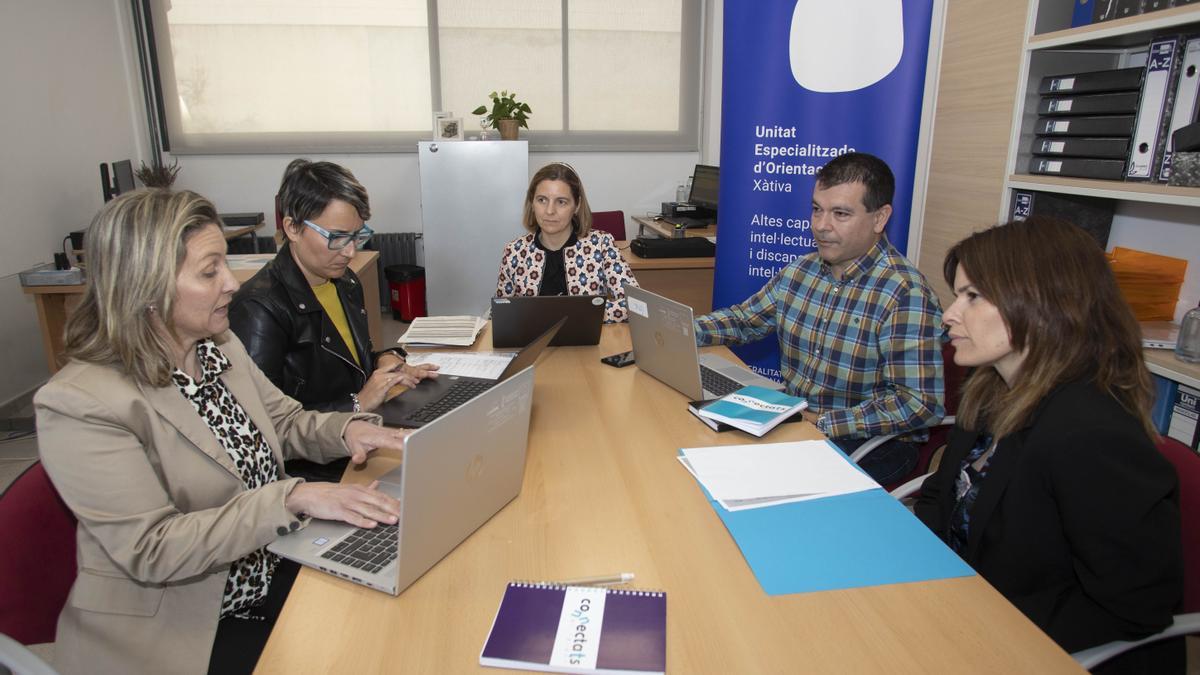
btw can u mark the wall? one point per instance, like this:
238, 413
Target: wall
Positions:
66, 68
76, 102
632, 182
976, 91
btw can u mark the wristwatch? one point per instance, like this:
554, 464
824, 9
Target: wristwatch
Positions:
357, 406
823, 424
398, 351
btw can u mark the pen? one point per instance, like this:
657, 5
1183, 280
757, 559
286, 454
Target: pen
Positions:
605, 580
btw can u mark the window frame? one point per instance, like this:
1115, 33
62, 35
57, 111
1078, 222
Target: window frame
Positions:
173, 140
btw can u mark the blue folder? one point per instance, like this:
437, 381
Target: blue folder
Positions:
845, 541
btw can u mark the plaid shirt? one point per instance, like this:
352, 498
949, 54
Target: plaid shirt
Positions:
865, 351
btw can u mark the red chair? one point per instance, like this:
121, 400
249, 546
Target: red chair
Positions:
612, 222
38, 566
1187, 465
954, 375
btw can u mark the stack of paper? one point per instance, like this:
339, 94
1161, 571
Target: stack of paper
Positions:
755, 410
753, 476
443, 331
484, 365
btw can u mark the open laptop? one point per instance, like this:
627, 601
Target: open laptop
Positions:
517, 320
665, 347
456, 475
431, 399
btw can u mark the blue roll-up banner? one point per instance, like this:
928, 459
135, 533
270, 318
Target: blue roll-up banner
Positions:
805, 81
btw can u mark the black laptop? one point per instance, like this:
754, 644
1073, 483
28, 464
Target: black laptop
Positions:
431, 399
517, 320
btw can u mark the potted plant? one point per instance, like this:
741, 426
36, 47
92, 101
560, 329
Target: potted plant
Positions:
158, 175
507, 114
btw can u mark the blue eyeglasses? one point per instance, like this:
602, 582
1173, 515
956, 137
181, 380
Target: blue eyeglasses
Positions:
340, 240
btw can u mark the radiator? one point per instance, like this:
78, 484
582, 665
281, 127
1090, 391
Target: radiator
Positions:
395, 248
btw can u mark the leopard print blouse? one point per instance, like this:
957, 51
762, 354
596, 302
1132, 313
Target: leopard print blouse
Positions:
250, 576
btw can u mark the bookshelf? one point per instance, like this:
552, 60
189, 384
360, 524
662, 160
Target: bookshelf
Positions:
1149, 216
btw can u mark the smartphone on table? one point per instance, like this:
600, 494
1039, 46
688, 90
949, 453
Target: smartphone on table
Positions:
619, 360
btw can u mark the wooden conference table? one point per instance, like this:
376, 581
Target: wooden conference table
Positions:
604, 493
55, 303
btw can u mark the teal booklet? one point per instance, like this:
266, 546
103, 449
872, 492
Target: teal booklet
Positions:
755, 410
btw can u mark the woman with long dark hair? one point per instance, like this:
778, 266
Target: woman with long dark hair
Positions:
1051, 486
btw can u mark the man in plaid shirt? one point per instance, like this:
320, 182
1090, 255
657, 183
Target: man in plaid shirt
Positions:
859, 328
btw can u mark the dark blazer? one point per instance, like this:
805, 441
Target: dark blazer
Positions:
287, 333
1076, 522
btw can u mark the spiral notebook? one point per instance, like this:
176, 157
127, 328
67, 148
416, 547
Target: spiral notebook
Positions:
578, 629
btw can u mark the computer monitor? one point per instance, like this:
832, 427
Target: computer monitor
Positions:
706, 182
122, 173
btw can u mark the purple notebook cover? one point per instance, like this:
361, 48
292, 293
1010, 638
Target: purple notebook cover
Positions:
634, 635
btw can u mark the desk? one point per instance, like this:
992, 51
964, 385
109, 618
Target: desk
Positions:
667, 230
243, 230
55, 303
686, 280
604, 493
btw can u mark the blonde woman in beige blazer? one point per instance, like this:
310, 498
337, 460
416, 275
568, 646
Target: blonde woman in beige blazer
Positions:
158, 486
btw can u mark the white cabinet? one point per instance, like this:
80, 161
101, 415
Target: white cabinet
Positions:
472, 197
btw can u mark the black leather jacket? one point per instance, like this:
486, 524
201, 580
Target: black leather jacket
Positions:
293, 341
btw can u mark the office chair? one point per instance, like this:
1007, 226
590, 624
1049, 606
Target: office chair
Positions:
38, 566
612, 222
17, 659
954, 375
1187, 465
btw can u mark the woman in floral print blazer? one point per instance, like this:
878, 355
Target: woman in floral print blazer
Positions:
562, 255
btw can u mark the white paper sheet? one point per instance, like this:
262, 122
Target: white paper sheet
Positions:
485, 365
746, 476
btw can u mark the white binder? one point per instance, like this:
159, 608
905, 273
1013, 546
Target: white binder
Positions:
1183, 110
1157, 87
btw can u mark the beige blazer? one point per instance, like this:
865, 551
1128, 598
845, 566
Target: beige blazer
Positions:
162, 512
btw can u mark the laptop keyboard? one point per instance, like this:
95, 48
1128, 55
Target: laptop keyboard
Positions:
459, 393
369, 550
716, 383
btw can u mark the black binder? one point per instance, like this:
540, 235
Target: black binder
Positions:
1105, 10
1103, 169
1095, 82
1093, 214
1128, 8
1090, 104
1110, 148
1102, 125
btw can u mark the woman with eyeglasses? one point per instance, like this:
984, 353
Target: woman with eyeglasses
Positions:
302, 316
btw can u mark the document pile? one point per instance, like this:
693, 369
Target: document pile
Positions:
483, 365
765, 474
443, 331
755, 410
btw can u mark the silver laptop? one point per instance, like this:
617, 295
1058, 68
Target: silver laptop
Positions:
458, 472
665, 346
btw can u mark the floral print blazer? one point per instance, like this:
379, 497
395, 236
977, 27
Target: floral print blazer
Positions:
593, 266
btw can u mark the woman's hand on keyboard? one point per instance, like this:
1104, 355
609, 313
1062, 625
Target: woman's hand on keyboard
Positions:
358, 505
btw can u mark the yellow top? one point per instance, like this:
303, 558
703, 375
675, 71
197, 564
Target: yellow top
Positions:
327, 295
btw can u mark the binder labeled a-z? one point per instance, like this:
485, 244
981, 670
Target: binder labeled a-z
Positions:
1150, 130
1183, 109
